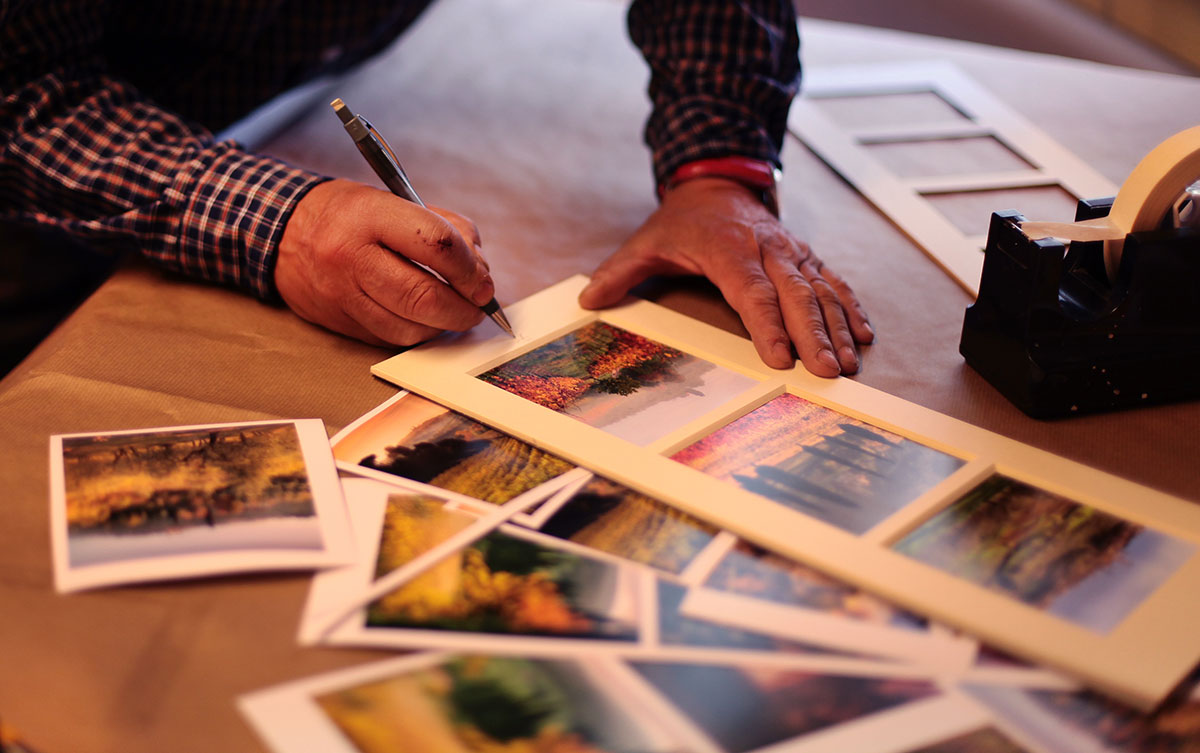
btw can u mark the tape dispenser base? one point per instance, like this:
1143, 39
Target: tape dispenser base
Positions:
1055, 337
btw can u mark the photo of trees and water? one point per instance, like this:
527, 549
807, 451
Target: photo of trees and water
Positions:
1074, 561
125, 493
747, 707
820, 462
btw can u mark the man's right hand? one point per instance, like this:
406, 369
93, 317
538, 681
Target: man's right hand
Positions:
343, 264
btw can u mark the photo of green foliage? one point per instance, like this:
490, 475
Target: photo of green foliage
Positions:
481, 704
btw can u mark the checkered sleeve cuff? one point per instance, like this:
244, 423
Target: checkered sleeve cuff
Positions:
235, 207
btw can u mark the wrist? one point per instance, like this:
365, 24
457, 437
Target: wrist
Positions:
760, 176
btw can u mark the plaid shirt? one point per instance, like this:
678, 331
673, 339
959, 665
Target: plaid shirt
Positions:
107, 109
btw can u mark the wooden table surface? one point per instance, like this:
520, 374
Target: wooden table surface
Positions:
525, 115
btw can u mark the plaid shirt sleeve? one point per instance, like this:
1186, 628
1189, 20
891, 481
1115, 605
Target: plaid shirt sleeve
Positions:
89, 154
723, 74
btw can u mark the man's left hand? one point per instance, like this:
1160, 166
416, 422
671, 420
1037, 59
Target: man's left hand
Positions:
786, 297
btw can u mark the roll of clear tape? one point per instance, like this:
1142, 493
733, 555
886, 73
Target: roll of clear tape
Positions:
1157, 188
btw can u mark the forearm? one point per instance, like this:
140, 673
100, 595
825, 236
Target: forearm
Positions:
723, 76
87, 154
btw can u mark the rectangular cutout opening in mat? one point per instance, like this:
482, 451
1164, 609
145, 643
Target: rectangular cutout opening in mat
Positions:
971, 211
894, 108
921, 158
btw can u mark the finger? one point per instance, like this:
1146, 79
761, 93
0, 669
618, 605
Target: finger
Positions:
379, 326
856, 315
464, 225
427, 238
835, 318
617, 274
469, 230
411, 293
747, 288
801, 310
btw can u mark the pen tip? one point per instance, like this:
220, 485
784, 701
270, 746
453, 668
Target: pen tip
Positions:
497, 315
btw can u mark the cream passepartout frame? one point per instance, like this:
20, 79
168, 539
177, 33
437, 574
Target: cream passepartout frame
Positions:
1138, 661
903, 199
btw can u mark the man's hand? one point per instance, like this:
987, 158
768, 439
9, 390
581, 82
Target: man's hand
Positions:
343, 264
784, 294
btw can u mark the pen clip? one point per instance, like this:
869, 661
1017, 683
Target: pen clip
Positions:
405, 188
387, 148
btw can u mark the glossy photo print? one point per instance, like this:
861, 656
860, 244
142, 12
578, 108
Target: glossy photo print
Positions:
1074, 561
480, 703
412, 525
614, 519
820, 462
986, 740
509, 585
413, 438
170, 502
1077, 721
616, 380
751, 571
744, 708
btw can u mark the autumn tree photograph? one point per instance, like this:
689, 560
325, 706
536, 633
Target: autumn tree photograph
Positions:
629, 385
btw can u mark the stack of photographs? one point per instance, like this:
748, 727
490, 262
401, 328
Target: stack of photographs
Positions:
559, 609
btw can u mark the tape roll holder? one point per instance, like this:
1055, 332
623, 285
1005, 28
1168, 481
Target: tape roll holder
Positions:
1053, 333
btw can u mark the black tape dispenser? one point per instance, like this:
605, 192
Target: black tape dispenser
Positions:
1102, 313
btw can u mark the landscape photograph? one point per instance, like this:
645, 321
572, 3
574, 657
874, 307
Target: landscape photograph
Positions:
417, 439
509, 585
677, 629
488, 704
820, 462
630, 386
747, 707
749, 570
412, 525
192, 491
1072, 560
612, 518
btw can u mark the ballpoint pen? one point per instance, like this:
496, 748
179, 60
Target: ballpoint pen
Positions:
383, 161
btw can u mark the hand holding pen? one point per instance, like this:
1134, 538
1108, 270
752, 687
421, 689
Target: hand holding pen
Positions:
383, 161
355, 259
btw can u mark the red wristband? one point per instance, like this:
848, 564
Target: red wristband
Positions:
757, 175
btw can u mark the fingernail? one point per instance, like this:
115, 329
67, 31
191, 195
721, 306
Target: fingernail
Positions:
849, 356
829, 359
484, 292
870, 330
